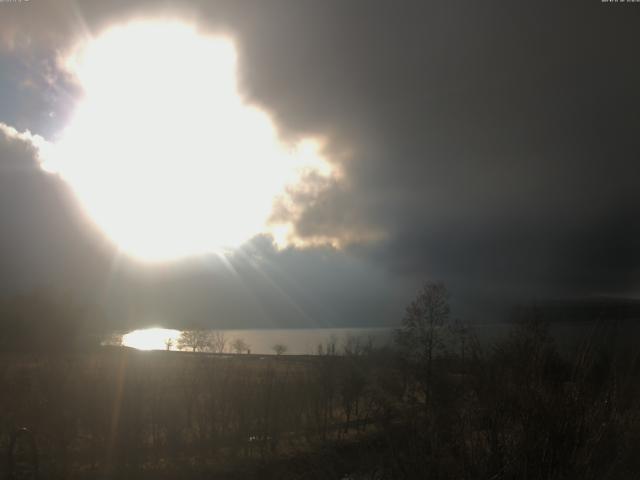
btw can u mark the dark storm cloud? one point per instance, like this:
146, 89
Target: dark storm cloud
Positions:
495, 144
489, 144
43, 241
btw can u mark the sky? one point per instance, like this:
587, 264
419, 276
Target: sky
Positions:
489, 145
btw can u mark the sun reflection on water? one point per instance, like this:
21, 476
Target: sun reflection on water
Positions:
152, 339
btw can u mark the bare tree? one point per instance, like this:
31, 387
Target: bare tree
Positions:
421, 334
239, 345
217, 341
463, 341
196, 340
168, 343
332, 343
329, 347
279, 348
353, 345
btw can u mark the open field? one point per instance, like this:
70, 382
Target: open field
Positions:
121, 409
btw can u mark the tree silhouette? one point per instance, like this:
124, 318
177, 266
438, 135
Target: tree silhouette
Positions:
217, 341
279, 348
239, 345
196, 340
421, 334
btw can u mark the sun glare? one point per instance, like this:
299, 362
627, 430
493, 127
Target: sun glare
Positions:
152, 339
162, 151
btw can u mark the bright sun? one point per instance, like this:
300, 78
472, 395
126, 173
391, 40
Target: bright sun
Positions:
163, 152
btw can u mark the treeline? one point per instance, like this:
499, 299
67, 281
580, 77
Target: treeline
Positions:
516, 409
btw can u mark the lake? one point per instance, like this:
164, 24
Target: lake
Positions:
297, 341
305, 341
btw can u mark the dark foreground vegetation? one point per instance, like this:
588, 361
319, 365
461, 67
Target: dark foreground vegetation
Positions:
433, 405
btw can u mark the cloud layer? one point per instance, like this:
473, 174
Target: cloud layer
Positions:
493, 146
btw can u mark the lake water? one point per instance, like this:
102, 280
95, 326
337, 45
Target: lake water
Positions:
296, 341
305, 341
